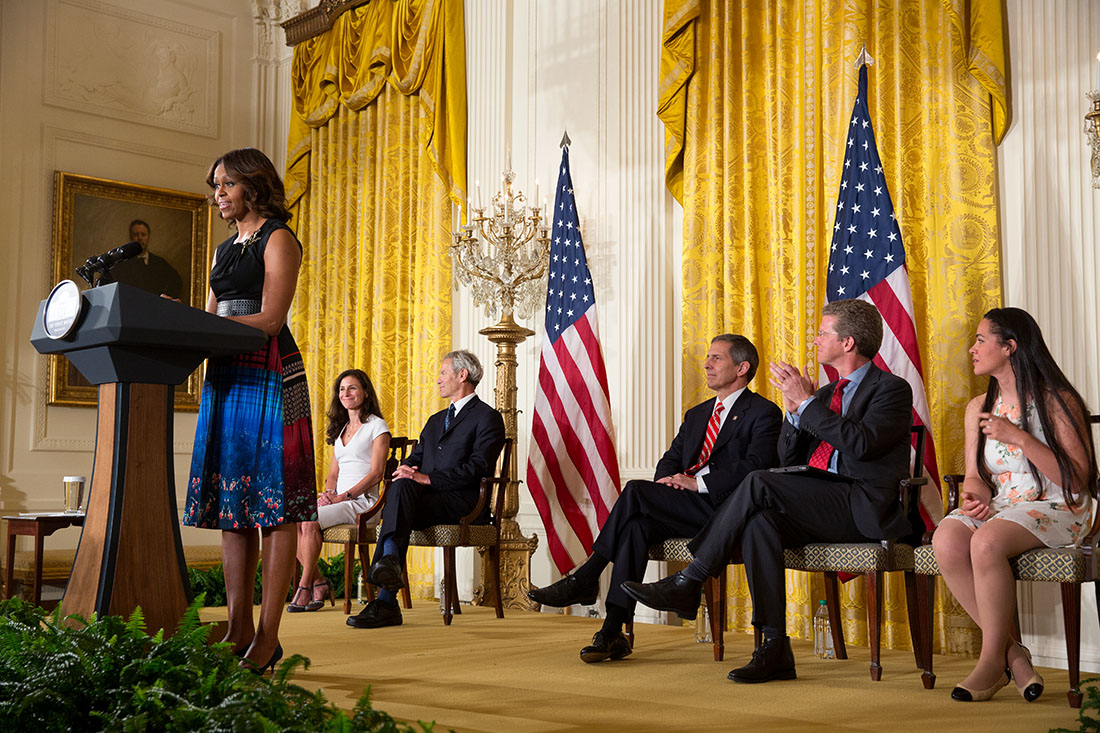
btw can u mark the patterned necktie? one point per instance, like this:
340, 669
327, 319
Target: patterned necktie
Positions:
449, 417
708, 442
824, 451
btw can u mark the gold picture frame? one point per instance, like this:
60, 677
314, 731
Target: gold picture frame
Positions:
94, 215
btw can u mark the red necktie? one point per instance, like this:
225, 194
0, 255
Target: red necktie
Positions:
824, 450
708, 442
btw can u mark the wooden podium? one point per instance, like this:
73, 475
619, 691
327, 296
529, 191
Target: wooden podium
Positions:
136, 347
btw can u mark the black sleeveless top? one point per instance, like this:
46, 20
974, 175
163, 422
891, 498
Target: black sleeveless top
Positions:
238, 271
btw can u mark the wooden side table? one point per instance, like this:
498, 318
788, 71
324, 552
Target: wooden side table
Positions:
39, 526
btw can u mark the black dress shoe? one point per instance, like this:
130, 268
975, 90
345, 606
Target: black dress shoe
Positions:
386, 573
565, 592
674, 593
376, 615
605, 646
773, 660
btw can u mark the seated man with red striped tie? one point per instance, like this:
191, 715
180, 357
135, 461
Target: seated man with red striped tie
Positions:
857, 427
719, 443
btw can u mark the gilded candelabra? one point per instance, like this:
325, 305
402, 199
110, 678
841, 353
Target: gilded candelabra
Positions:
501, 254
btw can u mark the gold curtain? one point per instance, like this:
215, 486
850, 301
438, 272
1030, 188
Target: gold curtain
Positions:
756, 97
376, 154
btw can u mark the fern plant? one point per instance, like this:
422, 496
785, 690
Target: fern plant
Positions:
333, 569
108, 674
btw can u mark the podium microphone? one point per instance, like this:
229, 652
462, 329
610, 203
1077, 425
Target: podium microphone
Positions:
104, 262
107, 260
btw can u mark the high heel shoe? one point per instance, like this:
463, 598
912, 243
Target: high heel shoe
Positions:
965, 694
315, 604
275, 657
293, 607
1032, 687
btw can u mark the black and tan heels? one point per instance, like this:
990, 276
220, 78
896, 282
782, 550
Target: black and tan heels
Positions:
1031, 688
965, 694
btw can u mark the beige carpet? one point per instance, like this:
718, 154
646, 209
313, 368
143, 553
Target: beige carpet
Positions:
522, 674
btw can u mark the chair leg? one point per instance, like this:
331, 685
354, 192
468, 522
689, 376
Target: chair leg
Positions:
406, 596
349, 563
832, 602
723, 611
494, 563
874, 621
456, 607
716, 608
364, 567
913, 615
448, 582
1071, 613
452, 584
926, 591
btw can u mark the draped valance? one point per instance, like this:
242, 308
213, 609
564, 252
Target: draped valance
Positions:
415, 46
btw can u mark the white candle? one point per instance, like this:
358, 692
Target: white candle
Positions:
478, 184
536, 191
454, 217
1096, 72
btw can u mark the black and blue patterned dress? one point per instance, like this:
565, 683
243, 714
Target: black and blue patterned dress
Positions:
252, 464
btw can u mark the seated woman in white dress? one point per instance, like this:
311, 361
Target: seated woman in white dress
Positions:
1031, 481
360, 441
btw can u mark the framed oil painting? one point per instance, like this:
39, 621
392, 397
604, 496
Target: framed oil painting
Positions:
94, 215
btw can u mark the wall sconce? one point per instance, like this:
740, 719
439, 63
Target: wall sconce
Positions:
1092, 122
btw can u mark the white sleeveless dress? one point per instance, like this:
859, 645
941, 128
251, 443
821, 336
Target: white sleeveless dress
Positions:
354, 462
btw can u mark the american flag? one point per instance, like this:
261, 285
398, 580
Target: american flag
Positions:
867, 261
572, 471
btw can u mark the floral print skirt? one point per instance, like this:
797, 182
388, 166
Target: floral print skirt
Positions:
252, 464
1051, 521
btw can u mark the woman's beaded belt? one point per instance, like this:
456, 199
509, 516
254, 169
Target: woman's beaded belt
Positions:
239, 307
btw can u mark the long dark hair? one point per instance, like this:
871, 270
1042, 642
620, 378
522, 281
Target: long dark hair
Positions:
338, 414
1041, 381
263, 189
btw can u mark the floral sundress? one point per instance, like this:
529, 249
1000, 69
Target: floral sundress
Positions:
1038, 506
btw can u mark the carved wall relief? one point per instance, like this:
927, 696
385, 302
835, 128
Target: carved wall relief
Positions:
118, 63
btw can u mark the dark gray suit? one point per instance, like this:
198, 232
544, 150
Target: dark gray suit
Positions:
771, 511
455, 459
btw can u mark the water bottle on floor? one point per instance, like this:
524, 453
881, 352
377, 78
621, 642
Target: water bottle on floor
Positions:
823, 633
702, 625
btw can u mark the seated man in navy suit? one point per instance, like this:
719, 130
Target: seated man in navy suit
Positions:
719, 443
438, 483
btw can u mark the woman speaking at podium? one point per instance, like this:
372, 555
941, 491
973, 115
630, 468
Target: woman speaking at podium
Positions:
253, 462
